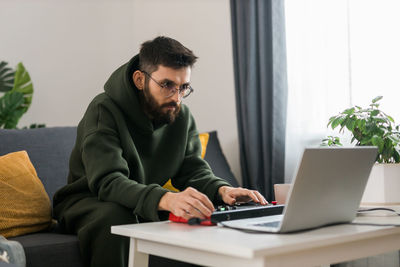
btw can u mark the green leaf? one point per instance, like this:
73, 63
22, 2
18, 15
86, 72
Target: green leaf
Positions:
331, 119
379, 119
343, 124
378, 141
363, 125
389, 117
23, 84
376, 99
396, 156
349, 111
337, 141
331, 141
10, 109
336, 122
6, 77
374, 112
373, 106
350, 124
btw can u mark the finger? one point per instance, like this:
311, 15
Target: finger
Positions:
243, 194
183, 213
200, 207
187, 212
194, 212
253, 196
229, 200
203, 199
261, 198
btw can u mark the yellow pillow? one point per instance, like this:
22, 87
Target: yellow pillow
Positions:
24, 204
204, 141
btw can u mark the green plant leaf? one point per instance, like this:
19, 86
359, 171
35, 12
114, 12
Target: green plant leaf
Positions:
374, 112
351, 123
378, 141
6, 77
376, 99
396, 156
331, 119
10, 109
349, 111
388, 117
331, 141
369, 126
379, 119
23, 84
344, 123
336, 122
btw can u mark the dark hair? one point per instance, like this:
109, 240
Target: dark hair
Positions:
164, 51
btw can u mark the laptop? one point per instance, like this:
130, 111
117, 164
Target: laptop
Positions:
326, 190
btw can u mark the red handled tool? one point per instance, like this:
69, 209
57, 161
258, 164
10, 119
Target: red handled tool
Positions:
192, 221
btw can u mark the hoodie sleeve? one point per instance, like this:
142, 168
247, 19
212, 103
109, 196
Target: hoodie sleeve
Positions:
107, 174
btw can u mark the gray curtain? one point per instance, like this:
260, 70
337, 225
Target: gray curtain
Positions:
259, 52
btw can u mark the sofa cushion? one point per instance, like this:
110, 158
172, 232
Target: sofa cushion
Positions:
48, 148
24, 204
217, 161
50, 250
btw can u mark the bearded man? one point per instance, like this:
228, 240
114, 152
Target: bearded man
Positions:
133, 138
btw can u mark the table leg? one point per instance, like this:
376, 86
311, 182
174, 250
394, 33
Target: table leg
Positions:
137, 258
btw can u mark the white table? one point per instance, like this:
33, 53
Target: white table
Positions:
216, 246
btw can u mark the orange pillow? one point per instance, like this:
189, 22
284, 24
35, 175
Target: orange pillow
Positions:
204, 141
24, 204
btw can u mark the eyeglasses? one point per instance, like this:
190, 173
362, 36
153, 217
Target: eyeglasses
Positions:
169, 89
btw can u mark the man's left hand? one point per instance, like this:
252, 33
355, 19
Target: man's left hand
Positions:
231, 195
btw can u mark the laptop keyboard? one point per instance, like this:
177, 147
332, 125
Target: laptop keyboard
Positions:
269, 224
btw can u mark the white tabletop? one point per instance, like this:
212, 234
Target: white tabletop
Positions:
242, 245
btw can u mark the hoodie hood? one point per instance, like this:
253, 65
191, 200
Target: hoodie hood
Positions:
121, 89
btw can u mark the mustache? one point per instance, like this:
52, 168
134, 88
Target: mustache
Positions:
170, 104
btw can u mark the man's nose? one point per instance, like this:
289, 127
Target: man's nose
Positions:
177, 97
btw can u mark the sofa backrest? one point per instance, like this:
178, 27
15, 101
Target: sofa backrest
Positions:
217, 161
49, 150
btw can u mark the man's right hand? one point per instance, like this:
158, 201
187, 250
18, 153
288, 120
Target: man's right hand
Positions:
187, 204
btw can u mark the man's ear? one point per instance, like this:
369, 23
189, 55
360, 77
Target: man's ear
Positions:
138, 79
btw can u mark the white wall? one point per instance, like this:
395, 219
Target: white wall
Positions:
203, 26
71, 47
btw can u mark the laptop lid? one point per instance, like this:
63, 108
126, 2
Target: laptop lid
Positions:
327, 189
328, 186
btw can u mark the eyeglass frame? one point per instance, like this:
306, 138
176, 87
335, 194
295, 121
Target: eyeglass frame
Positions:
173, 91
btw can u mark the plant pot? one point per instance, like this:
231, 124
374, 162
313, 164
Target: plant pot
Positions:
383, 187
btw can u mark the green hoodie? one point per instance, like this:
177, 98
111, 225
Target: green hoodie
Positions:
119, 156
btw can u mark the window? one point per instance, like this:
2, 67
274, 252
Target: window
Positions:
340, 53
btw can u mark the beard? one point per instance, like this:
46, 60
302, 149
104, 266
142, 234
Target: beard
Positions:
155, 111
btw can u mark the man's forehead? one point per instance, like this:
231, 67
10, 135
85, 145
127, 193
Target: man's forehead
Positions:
181, 75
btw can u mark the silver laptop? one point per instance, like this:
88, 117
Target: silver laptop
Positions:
327, 189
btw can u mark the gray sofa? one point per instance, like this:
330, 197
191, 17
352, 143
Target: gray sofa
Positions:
49, 150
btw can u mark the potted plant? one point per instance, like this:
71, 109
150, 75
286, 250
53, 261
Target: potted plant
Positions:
372, 127
18, 90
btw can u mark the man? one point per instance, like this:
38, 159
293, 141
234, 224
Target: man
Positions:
132, 139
